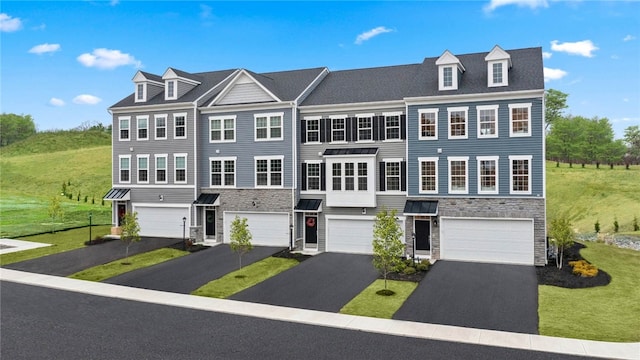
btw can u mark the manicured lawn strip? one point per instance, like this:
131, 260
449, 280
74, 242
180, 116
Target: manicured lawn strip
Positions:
606, 313
253, 274
139, 261
370, 304
61, 241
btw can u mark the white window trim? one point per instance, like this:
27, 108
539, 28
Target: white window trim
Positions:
175, 116
497, 175
427, 111
386, 174
138, 128
505, 73
479, 108
466, 122
356, 197
454, 77
175, 168
312, 118
517, 106
520, 157
166, 165
450, 159
175, 89
399, 115
268, 116
120, 157
358, 117
155, 126
120, 119
222, 129
269, 172
344, 131
144, 93
319, 190
138, 157
420, 161
222, 173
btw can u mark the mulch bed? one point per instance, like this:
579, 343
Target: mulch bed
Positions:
551, 275
286, 254
100, 240
415, 277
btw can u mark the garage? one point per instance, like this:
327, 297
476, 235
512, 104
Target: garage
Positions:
267, 229
508, 241
350, 235
163, 222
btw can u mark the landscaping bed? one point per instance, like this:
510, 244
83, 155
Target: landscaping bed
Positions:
286, 254
551, 275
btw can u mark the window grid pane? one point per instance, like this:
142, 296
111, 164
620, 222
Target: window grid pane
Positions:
313, 176
393, 176
337, 176
520, 175
520, 120
362, 176
161, 127
458, 176
338, 128
313, 130
487, 122
393, 127
497, 73
458, 123
447, 77
428, 124
364, 129
487, 175
428, 181
180, 126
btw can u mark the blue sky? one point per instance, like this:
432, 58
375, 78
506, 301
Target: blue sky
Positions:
65, 63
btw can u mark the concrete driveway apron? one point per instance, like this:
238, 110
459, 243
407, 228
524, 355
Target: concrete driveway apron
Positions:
476, 295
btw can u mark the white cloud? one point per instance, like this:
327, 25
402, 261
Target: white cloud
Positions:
629, 38
371, 33
44, 48
494, 4
583, 48
9, 24
107, 59
56, 102
546, 55
554, 74
86, 99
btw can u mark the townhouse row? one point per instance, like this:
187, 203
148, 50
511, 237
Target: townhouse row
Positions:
454, 144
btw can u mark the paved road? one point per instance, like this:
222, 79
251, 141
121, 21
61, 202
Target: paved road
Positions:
483, 296
325, 282
43, 323
187, 273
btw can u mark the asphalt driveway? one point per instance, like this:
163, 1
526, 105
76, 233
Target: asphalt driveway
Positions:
325, 282
187, 273
476, 295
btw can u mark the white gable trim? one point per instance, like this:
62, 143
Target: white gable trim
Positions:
447, 58
171, 75
497, 53
242, 77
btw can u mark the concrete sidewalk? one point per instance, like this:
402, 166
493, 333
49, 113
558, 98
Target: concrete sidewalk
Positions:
383, 326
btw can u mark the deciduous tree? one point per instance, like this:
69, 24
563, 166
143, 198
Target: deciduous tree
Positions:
240, 238
562, 237
130, 230
55, 211
555, 103
387, 246
14, 128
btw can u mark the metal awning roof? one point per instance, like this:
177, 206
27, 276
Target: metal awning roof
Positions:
310, 205
118, 194
207, 200
354, 151
421, 207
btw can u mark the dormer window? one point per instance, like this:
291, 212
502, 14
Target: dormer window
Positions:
141, 93
498, 64
447, 77
171, 90
449, 70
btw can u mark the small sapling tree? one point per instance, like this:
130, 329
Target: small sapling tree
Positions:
55, 211
562, 237
387, 246
240, 238
130, 230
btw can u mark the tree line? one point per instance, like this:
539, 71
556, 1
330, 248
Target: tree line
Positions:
15, 128
581, 140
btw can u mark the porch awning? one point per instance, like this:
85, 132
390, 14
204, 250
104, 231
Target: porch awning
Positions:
421, 207
207, 200
351, 151
118, 194
310, 205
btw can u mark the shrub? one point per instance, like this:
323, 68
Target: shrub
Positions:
597, 226
635, 224
616, 226
409, 270
86, 198
401, 266
583, 268
422, 267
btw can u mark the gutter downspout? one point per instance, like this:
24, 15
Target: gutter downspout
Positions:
294, 173
195, 164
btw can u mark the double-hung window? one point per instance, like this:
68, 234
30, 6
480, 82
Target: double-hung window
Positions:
520, 119
336, 177
171, 90
161, 169
428, 175
180, 164
487, 121
365, 127
125, 168
458, 175
180, 126
520, 168
313, 175
143, 169
143, 127
268, 127
487, 174
140, 92
338, 129
313, 130
458, 122
222, 128
447, 77
223, 172
428, 124
161, 126
124, 124
392, 176
392, 126
269, 171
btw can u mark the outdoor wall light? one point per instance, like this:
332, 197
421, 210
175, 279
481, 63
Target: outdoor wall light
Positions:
435, 222
364, 211
253, 203
161, 197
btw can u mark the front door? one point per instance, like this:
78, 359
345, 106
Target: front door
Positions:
122, 210
210, 223
423, 231
311, 230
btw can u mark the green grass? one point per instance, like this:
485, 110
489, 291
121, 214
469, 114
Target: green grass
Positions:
61, 241
368, 303
606, 313
121, 266
249, 276
589, 195
54, 141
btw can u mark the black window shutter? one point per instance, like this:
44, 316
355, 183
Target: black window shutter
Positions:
323, 130
403, 176
375, 124
303, 186
303, 131
383, 178
354, 129
348, 134
403, 126
323, 182
382, 123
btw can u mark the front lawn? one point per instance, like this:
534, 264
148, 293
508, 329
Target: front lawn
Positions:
121, 266
368, 303
605, 313
245, 278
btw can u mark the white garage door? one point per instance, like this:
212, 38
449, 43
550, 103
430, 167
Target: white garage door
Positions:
268, 229
163, 222
487, 240
350, 236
